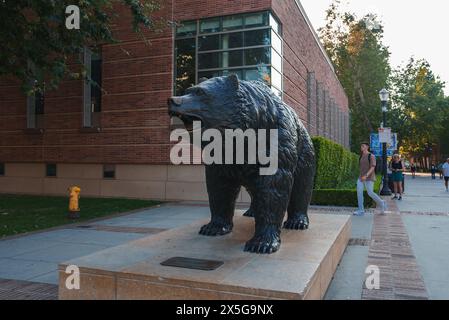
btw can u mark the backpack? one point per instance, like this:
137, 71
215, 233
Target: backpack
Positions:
369, 162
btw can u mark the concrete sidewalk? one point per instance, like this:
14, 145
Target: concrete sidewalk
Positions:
424, 212
34, 258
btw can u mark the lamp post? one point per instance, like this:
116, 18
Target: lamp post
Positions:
384, 96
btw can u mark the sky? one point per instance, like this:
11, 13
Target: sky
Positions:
412, 28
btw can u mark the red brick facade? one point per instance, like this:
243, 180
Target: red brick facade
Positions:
138, 79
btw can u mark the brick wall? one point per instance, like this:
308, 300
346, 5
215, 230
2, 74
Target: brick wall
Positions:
303, 57
137, 80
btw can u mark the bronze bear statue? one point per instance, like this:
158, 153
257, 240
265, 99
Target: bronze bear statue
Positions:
228, 103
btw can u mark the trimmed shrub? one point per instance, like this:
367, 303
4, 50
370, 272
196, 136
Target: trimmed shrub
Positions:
337, 171
335, 164
343, 197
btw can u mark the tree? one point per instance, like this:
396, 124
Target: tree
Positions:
361, 62
36, 45
419, 110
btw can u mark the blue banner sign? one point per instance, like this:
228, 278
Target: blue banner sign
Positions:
376, 146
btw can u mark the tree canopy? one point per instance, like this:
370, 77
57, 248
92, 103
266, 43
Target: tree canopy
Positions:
34, 33
420, 111
361, 62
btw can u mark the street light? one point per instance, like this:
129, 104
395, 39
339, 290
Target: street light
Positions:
384, 95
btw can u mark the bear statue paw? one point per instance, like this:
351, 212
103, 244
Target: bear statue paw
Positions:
214, 229
264, 244
300, 222
249, 213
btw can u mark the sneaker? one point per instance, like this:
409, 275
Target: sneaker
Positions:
400, 198
384, 207
394, 198
359, 214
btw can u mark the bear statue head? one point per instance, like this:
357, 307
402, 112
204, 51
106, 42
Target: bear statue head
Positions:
213, 102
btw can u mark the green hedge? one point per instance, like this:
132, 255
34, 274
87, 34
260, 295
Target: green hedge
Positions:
343, 197
337, 170
335, 164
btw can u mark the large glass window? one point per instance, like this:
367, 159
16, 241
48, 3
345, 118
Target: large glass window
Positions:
248, 45
185, 64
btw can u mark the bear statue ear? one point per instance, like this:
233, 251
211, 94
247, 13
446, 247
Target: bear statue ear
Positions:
233, 80
201, 80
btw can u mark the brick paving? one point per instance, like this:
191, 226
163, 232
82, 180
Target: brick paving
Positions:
391, 251
26, 290
432, 214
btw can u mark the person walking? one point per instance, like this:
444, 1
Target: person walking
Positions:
413, 170
433, 171
397, 167
367, 164
446, 174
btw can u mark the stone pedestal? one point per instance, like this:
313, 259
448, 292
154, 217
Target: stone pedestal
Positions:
302, 269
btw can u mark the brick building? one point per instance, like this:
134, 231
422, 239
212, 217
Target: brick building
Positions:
115, 142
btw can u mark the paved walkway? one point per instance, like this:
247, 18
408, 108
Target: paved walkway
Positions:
409, 245
415, 239
36, 257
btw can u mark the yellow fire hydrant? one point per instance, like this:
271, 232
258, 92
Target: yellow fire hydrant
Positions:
74, 209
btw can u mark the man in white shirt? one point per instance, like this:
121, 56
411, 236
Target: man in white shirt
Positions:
446, 174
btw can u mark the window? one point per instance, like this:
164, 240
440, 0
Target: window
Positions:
51, 170
92, 88
210, 25
206, 43
186, 29
35, 109
2, 169
232, 23
254, 57
275, 25
35, 101
232, 40
247, 45
254, 20
185, 64
210, 74
276, 60
209, 60
109, 171
257, 38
